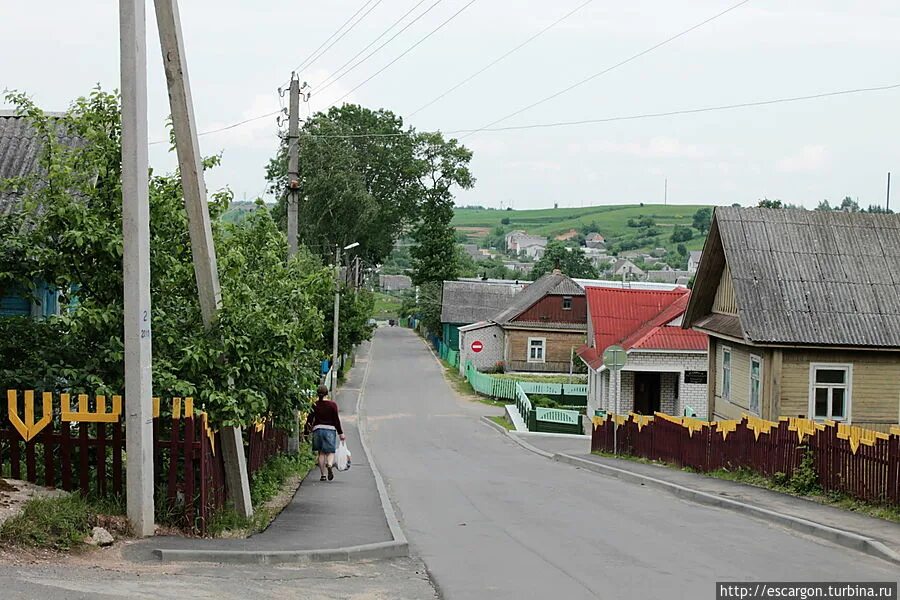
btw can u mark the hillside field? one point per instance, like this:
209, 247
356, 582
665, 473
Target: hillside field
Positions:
610, 221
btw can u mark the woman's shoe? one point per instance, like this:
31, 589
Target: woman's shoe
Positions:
330, 473
322, 478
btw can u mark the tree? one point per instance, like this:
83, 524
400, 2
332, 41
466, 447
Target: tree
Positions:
702, 219
440, 165
848, 204
504, 221
879, 210
353, 187
682, 250
824, 206
682, 234
766, 203
570, 261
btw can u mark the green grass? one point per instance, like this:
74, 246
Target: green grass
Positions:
386, 306
266, 484
504, 422
60, 523
611, 221
783, 485
462, 386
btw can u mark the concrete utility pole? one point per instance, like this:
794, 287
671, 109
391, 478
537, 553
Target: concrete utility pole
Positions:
293, 165
190, 164
136, 266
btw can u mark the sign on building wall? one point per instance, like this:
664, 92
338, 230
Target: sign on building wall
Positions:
695, 377
477, 346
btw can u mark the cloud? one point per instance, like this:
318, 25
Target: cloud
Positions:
809, 158
655, 147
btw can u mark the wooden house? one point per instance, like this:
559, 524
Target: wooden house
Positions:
802, 310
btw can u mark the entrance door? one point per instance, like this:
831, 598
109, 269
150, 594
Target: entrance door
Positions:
646, 393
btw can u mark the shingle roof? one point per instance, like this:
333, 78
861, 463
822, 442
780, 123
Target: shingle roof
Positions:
20, 154
814, 277
472, 301
554, 283
639, 320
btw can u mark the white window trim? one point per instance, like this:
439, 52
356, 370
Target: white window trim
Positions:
569, 298
759, 359
726, 393
543, 342
848, 400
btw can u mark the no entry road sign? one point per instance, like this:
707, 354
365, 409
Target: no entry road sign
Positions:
477, 346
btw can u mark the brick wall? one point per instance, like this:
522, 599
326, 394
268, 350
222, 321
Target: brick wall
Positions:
491, 338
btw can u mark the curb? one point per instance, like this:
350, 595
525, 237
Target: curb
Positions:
511, 435
398, 548
854, 541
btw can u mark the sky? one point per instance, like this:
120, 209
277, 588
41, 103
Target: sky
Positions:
239, 53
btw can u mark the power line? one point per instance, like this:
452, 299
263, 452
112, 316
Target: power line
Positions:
307, 59
349, 29
687, 111
497, 60
408, 50
372, 43
226, 127
612, 68
367, 57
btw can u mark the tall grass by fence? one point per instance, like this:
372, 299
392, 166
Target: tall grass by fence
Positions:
850, 460
83, 449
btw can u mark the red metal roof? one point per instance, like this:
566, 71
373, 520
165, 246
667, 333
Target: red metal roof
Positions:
638, 319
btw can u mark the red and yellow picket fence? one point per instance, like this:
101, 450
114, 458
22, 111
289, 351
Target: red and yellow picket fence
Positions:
861, 463
80, 445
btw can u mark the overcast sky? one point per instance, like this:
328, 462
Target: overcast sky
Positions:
239, 52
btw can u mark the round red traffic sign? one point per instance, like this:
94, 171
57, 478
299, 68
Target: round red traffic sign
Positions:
477, 346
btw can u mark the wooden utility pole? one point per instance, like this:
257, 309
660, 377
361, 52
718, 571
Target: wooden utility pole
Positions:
136, 266
293, 190
190, 164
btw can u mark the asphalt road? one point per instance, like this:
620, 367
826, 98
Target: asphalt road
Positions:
491, 520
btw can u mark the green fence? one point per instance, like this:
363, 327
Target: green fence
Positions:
504, 388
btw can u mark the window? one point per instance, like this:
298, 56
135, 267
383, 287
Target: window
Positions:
567, 302
726, 372
829, 391
755, 383
536, 348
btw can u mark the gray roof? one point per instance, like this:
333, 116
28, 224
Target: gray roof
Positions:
472, 301
814, 277
20, 154
554, 283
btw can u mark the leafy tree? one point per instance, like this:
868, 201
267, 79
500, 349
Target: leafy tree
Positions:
682, 250
504, 221
824, 206
570, 261
353, 188
879, 210
441, 165
848, 204
766, 203
682, 234
702, 219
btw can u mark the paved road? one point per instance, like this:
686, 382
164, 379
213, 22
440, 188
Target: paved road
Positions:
492, 520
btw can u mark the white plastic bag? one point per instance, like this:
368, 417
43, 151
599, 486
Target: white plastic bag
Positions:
342, 457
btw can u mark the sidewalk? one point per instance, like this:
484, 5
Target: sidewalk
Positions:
336, 520
790, 511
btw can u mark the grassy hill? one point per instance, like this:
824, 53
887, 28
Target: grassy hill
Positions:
238, 211
610, 221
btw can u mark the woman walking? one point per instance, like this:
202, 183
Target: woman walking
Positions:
326, 428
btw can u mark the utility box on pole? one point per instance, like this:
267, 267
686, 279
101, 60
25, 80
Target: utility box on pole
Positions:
136, 267
190, 164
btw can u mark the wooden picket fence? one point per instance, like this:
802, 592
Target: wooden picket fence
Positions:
51, 444
851, 460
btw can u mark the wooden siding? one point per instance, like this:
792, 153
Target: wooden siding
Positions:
875, 393
726, 301
549, 310
557, 350
739, 400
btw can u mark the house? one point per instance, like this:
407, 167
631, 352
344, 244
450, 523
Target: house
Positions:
803, 315
594, 240
467, 302
694, 260
516, 241
20, 154
518, 266
394, 283
665, 368
473, 251
669, 275
534, 251
538, 331
625, 268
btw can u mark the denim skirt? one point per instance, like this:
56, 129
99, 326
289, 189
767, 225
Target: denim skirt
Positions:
324, 440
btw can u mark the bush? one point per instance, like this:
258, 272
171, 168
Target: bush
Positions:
682, 234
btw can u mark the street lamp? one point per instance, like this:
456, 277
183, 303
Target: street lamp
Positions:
337, 306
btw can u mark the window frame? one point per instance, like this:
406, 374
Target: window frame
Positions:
847, 386
567, 300
543, 358
759, 380
726, 389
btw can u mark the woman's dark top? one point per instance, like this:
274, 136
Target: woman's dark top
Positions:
324, 412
